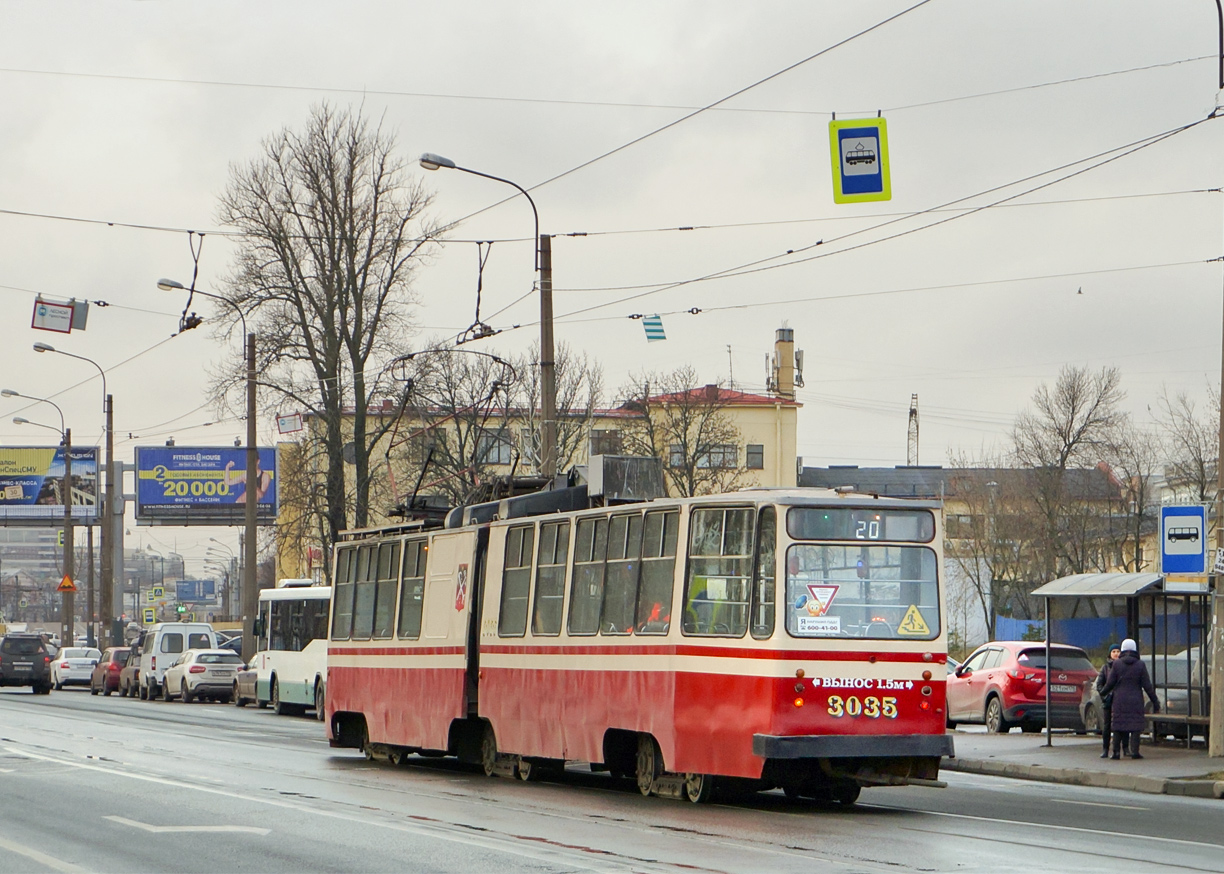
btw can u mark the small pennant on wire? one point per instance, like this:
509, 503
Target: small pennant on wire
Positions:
654, 328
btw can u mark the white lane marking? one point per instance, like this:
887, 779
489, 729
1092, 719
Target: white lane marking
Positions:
1098, 804
168, 829
440, 830
41, 858
7, 770
1066, 828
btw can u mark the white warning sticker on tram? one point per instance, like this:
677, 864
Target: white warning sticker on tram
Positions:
822, 598
913, 623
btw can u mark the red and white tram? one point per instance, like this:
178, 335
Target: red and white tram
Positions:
780, 638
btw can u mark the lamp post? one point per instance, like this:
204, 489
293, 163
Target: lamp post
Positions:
250, 594
543, 265
109, 527
68, 608
229, 557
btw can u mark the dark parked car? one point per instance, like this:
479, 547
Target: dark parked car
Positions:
105, 676
129, 677
25, 661
1003, 684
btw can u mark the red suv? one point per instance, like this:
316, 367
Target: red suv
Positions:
105, 676
1003, 685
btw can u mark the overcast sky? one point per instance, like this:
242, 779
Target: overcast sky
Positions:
132, 112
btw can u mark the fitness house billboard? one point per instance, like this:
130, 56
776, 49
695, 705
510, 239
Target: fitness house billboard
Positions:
32, 485
184, 485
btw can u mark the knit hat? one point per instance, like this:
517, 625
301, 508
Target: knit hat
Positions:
1129, 644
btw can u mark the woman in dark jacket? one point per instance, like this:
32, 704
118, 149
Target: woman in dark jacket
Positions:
1107, 700
1128, 680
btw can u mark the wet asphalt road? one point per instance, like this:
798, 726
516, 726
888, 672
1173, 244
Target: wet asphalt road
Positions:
92, 783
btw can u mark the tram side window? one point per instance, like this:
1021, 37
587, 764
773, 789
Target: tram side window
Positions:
716, 598
363, 598
764, 575
342, 615
550, 578
621, 582
658, 571
384, 594
586, 587
412, 592
516, 582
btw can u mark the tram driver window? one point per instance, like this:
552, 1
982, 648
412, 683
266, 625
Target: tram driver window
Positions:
764, 577
716, 598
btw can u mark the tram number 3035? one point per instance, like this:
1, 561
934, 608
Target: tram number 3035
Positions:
870, 707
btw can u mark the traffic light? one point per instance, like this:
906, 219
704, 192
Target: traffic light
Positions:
180, 609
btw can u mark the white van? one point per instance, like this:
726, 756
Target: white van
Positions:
163, 644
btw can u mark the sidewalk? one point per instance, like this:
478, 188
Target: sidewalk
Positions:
1165, 769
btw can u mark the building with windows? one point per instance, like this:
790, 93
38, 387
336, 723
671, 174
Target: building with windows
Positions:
711, 438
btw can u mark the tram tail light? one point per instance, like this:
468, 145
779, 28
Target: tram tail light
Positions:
924, 704
798, 702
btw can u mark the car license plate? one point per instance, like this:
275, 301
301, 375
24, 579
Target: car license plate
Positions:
223, 673
1062, 687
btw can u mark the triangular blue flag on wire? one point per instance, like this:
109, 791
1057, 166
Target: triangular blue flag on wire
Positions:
654, 328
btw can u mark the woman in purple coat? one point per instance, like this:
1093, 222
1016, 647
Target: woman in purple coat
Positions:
1128, 680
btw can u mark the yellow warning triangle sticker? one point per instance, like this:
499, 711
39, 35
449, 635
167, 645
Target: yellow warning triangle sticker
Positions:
913, 623
66, 585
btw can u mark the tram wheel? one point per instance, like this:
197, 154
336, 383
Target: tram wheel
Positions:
698, 788
846, 793
649, 763
488, 750
367, 749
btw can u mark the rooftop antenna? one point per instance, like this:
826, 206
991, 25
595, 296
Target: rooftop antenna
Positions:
730, 369
911, 442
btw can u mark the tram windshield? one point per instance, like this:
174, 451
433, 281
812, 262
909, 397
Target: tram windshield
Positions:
857, 591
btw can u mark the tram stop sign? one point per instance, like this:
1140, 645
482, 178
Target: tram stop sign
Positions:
860, 160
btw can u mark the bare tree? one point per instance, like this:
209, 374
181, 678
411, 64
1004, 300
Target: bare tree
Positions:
1135, 459
1192, 444
332, 232
458, 425
1060, 442
579, 395
686, 425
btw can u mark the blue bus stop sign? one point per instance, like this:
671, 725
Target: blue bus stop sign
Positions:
1183, 539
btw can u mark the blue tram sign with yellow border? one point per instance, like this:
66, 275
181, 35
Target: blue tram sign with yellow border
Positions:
860, 160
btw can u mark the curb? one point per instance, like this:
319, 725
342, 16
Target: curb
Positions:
1099, 779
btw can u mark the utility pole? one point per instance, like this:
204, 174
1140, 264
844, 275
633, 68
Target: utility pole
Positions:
548, 373
107, 611
1215, 742
250, 594
66, 615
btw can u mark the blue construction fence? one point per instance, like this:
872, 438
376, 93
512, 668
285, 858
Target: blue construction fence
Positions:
1092, 634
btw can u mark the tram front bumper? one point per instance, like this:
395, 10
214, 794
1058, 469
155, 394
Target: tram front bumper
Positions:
844, 746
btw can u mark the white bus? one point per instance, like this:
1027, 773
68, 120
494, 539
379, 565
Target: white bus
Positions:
291, 647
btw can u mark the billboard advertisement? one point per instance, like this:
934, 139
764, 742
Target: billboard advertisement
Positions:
32, 485
194, 485
195, 591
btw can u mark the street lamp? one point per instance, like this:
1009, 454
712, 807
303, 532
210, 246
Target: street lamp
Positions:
109, 526
250, 594
543, 265
67, 619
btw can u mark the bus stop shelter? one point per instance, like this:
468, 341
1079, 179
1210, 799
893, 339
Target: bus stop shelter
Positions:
1171, 623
